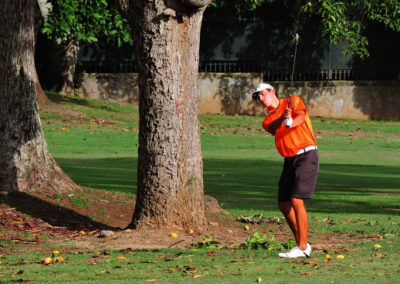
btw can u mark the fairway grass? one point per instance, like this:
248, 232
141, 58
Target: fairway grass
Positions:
357, 193
360, 263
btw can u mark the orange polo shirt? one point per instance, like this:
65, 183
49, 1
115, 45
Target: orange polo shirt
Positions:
289, 141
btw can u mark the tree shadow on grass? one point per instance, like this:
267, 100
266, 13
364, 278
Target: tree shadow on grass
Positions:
50, 213
251, 184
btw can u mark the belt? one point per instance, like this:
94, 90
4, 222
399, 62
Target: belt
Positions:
306, 149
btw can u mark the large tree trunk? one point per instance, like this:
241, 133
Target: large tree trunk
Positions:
25, 162
170, 168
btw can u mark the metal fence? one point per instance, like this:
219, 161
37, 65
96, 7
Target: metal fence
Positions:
256, 67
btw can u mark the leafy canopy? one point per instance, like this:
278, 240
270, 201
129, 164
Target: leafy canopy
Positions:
86, 20
345, 20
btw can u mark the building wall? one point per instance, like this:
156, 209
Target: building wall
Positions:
230, 93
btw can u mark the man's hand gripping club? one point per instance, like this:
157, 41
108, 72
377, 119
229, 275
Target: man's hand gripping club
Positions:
297, 119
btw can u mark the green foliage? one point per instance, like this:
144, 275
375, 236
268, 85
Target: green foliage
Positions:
80, 201
256, 241
347, 20
206, 243
86, 21
341, 21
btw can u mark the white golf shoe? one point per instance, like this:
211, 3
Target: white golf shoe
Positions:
296, 252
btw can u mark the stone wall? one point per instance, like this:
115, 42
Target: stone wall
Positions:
230, 93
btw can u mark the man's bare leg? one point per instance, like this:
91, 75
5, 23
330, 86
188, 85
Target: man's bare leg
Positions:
289, 213
301, 216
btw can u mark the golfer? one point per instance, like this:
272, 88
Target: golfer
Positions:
295, 141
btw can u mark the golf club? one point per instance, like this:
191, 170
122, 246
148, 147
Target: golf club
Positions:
296, 39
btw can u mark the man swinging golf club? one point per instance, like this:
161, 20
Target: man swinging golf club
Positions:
295, 141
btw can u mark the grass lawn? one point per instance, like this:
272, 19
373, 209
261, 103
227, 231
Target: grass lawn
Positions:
358, 192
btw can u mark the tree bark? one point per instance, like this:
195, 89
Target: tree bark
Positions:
41, 12
56, 64
170, 167
25, 161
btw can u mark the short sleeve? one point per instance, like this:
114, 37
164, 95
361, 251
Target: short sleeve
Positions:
297, 104
267, 121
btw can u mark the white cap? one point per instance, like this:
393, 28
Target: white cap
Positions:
262, 87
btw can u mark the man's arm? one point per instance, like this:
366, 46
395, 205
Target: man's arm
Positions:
275, 124
298, 118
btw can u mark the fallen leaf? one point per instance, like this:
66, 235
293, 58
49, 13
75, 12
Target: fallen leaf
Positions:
148, 261
237, 262
189, 267
210, 252
364, 260
305, 273
93, 261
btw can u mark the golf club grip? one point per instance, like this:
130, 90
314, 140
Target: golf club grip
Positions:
287, 119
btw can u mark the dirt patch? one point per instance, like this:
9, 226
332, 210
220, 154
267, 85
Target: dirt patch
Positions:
81, 216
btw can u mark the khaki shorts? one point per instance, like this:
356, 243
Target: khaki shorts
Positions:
299, 176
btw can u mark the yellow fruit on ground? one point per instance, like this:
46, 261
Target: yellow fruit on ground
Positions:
377, 246
191, 231
340, 256
328, 256
60, 259
174, 235
47, 261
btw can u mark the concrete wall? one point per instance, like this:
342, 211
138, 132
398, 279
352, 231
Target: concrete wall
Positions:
230, 93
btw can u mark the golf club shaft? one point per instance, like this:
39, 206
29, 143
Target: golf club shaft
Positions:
296, 38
